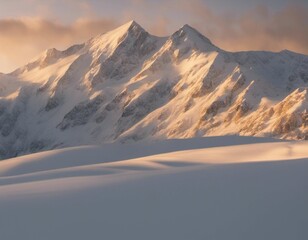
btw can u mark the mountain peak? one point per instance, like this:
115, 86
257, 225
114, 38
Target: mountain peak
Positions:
190, 34
131, 26
135, 27
109, 41
133, 23
187, 27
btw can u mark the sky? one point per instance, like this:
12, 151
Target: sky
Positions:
28, 27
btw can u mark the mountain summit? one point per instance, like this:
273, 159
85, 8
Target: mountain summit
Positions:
128, 85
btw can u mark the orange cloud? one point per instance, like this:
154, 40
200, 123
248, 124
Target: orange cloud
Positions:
21, 39
256, 29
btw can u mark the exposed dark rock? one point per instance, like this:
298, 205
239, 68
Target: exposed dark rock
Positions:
120, 98
37, 145
213, 109
146, 103
81, 113
239, 83
52, 103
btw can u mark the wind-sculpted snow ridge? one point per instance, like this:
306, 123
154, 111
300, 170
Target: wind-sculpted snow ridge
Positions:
208, 188
128, 85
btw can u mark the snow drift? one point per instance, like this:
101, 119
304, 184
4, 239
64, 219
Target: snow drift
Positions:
211, 188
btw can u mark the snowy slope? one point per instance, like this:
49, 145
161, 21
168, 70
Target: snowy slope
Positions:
211, 188
128, 85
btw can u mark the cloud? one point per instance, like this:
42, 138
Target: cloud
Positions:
22, 39
258, 28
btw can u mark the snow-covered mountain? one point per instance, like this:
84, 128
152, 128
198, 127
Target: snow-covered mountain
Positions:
127, 85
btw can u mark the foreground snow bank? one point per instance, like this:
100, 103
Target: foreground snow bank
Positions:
211, 188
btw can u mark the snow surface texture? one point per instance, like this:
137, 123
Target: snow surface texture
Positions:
207, 188
127, 85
